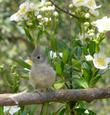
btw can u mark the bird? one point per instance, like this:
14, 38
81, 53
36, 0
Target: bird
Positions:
42, 75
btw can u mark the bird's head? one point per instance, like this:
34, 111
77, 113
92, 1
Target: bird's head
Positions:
38, 56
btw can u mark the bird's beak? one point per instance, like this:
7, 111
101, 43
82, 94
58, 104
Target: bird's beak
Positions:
29, 61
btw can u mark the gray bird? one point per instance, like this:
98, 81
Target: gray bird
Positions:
42, 75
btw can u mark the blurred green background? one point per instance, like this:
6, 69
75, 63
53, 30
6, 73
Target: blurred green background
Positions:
13, 46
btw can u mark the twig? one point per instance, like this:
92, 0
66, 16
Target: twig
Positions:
57, 96
67, 12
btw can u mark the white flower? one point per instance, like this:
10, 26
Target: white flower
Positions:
86, 36
94, 12
47, 8
44, 8
102, 24
61, 54
89, 58
91, 4
100, 61
43, 2
24, 8
51, 8
79, 3
86, 111
11, 109
15, 17
54, 54
46, 19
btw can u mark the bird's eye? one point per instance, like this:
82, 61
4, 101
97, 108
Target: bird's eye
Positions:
38, 57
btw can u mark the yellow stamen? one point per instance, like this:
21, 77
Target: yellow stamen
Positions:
100, 61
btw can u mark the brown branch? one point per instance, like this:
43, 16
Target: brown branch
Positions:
65, 11
57, 96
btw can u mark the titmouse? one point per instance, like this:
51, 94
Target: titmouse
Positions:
42, 75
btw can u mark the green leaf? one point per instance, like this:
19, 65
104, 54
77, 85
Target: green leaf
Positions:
82, 104
76, 63
65, 56
53, 42
85, 50
86, 66
29, 37
59, 84
1, 110
33, 109
59, 110
39, 35
23, 113
23, 63
86, 69
58, 68
82, 111
79, 52
62, 112
94, 80
86, 74
92, 47
61, 44
81, 83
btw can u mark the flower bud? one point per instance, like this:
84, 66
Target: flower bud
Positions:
39, 17
70, 5
50, 8
48, 3
86, 24
87, 15
55, 13
46, 19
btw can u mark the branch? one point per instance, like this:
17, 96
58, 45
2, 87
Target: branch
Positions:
65, 11
24, 98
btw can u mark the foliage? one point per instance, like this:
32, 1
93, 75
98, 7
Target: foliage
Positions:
75, 42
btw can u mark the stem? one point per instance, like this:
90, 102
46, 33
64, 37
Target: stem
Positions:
71, 71
72, 105
42, 109
67, 85
67, 109
47, 104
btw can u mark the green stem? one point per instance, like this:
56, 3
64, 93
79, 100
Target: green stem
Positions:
46, 108
71, 72
42, 108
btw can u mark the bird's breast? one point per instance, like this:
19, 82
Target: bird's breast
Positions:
43, 76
